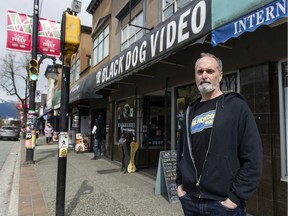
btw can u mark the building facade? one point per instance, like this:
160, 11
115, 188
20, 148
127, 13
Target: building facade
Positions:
140, 76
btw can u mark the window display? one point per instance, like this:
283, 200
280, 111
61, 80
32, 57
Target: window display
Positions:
75, 121
126, 118
153, 121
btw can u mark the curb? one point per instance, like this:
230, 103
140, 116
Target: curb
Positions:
14, 199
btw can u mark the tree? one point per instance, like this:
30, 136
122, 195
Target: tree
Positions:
14, 72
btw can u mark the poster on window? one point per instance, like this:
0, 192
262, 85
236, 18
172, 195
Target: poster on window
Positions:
180, 111
126, 119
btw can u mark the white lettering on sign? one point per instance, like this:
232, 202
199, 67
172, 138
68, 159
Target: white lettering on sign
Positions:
183, 28
259, 17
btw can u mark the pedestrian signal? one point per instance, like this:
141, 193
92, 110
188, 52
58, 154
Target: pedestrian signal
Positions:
70, 33
33, 70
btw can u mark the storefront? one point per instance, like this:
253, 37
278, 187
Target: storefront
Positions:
148, 86
152, 82
85, 106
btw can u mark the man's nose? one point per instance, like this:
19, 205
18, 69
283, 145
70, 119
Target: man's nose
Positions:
204, 75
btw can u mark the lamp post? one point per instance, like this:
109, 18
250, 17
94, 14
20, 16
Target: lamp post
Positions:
32, 87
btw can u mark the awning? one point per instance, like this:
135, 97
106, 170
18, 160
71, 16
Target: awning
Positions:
188, 26
45, 113
250, 22
85, 89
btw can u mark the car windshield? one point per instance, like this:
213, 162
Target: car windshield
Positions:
9, 128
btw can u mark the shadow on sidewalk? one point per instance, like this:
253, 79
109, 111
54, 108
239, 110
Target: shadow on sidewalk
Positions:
49, 154
83, 190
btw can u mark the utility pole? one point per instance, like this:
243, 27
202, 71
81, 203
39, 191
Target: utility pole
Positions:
70, 40
32, 88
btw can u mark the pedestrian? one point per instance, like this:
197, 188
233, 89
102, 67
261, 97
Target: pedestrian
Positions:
48, 130
98, 134
219, 155
124, 142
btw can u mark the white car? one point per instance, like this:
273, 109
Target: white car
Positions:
9, 132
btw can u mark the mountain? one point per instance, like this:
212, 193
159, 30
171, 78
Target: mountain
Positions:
8, 109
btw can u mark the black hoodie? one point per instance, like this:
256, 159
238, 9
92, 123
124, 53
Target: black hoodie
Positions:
233, 164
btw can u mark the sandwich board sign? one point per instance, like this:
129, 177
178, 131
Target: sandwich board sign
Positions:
166, 175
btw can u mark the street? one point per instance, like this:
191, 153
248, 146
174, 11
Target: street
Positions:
8, 157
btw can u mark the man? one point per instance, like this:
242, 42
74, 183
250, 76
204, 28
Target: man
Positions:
219, 161
98, 132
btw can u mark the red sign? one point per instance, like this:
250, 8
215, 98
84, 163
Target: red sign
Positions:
19, 34
19, 28
49, 37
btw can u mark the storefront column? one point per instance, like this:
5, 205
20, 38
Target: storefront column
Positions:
139, 121
173, 118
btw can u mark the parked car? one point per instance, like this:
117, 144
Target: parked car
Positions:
10, 132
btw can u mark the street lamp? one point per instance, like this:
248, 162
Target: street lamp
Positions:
52, 72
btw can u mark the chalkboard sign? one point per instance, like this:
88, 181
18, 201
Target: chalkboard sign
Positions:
166, 175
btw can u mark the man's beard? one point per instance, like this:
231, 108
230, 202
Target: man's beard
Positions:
206, 88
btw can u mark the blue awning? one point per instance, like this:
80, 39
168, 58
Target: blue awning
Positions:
250, 22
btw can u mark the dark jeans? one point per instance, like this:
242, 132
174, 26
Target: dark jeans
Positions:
48, 139
193, 206
97, 147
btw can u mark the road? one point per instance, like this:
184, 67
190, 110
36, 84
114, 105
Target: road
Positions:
8, 157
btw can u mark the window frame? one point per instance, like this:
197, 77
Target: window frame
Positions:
174, 4
137, 32
283, 122
75, 71
99, 46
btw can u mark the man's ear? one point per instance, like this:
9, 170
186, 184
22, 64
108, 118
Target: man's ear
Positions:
220, 77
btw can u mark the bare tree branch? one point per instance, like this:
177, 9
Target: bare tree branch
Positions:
14, 72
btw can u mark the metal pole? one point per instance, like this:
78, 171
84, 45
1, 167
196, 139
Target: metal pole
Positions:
62, 161
73, 31
32, 84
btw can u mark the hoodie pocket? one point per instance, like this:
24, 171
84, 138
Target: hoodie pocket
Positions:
188, 173
217, 176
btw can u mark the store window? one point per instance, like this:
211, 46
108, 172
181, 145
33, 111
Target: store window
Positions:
171, 6
130, 33
283, 111
154, 114
185, 95
75, 121
229, 83
101, 46
126, 118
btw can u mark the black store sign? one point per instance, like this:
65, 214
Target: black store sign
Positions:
183, 28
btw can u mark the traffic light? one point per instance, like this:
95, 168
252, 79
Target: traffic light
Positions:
33, 70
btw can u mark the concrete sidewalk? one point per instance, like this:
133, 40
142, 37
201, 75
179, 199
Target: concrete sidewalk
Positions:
30, 200
93, 187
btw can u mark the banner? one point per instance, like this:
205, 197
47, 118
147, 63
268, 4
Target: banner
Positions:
19, 32
49, 37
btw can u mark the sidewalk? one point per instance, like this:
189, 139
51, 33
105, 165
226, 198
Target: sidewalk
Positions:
92, 187
31, 200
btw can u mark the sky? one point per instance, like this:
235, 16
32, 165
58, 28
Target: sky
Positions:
48, 9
